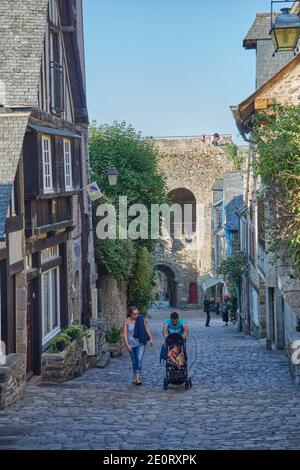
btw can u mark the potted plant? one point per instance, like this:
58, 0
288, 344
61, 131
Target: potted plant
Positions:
113, 337
59, 343
76, 332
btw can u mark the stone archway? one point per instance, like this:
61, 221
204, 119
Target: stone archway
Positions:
174, 281
184, 197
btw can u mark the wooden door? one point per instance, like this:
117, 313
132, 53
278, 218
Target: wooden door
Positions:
193, 294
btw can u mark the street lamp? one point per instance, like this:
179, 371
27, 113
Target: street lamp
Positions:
113, 176
285, 29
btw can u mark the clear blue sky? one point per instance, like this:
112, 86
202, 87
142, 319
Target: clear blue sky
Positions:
169, 67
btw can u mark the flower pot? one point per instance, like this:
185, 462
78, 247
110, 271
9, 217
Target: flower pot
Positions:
114, 349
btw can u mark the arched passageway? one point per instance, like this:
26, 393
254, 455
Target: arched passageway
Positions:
168, 284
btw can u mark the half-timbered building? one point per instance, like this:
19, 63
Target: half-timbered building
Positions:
46, 243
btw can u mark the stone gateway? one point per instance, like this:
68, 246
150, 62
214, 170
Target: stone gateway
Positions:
191, 167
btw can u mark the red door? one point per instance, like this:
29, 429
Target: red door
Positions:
193, 294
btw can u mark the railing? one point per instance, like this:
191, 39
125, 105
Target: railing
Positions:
41, 214
208, 139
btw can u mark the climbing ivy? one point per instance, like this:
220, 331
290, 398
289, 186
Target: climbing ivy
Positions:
277, 134
232, 268
233, 154
141, 182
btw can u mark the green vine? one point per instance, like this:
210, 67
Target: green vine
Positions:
233, 154
233, 268
278, 144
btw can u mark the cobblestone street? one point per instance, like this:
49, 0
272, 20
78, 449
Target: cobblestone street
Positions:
242, 398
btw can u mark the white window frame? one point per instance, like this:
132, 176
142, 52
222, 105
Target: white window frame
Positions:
68, 165
50, 254
57, 329
47, 165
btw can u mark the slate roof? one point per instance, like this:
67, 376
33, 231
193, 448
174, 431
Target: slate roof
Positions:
259, 30
22, 32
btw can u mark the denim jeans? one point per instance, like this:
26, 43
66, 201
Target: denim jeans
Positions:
207, 318
137, 357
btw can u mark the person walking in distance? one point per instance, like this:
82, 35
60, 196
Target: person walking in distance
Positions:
136, 335
207, 310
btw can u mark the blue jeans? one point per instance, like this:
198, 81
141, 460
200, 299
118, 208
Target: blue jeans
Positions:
137, 357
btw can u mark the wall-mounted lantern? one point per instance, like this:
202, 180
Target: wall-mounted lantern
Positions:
285, 28
113, 176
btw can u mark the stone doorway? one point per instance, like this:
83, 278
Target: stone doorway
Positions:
169, 283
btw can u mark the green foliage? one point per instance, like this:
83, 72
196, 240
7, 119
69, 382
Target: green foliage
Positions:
59, 343
232, 268
76, 332
233, 154
117, 257
278, 144
113, 336
135, 158
140, 287
141, 182
232, 304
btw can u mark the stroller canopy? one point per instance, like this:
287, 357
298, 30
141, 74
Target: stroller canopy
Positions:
174, 339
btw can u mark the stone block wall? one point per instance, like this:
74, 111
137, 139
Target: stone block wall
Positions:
12, 379
113, 301
67, 365
266, 65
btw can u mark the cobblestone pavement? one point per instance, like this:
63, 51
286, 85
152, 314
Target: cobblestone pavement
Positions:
242, 398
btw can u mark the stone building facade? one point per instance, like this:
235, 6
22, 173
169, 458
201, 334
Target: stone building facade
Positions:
274, 310
191, 167
46, 245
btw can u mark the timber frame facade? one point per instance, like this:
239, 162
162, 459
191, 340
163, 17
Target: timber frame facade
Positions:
46, 244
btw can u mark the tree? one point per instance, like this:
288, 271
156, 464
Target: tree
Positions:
231, 270
140, 286
141, 182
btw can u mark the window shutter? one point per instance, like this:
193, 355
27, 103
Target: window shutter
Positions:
59, 177
76, 163
32, 155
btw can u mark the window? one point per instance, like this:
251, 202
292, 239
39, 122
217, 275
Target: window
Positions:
47, 164
50, 304
68, 164
49, 254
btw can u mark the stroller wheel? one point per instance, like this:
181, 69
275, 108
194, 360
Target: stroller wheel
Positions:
190, 383
165, 384
187, 385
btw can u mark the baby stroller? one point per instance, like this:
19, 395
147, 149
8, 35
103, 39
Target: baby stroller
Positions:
176, 362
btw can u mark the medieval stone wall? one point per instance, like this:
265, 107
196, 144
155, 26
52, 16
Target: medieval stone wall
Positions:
192, 164
113, 301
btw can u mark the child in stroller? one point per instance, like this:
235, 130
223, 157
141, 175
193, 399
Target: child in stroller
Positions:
176, 363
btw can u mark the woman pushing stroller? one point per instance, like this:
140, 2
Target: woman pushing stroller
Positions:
176, 331
175, 325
